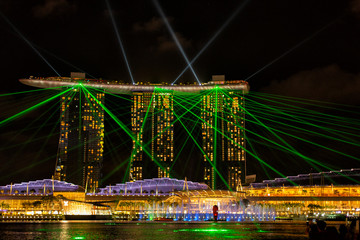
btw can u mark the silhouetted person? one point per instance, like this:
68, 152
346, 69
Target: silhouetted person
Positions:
313, 232
321, 225
342, 232
351, 232
322, 230
332, 233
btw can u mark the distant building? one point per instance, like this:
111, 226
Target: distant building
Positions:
81, 142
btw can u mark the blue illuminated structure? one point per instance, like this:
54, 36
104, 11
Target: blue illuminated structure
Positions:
155, 186
341, 177
38, 187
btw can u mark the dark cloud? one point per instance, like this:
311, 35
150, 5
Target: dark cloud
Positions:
329, 83
166, 43
154, 25
6, 4
355, 6
53, 7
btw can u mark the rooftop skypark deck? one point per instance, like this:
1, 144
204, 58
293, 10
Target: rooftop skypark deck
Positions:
118, 87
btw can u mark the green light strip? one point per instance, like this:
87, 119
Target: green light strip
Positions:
298, 119
31, 108
310, 111
27, 128
193, 105
108, 93
268, 108
182, 147
20, 149
112, 147
122, 125
303, 130
29, 91
270, 130
290, 148
302, 139
311, 160
200, 148
141, 132
306, 101
255, 155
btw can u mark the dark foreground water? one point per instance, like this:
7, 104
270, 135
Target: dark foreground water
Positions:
151, 230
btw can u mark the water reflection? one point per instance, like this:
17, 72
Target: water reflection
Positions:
148, 230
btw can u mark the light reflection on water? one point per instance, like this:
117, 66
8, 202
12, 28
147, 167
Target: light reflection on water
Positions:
151, 230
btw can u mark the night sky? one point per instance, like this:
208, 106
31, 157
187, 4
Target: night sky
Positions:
324, 63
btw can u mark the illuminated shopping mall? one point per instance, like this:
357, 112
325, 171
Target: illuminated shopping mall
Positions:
150, 199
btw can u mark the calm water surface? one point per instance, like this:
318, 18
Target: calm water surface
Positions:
151, 230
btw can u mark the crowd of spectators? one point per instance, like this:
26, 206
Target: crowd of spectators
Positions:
320, 231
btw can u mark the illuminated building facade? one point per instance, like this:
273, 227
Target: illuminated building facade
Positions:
310, 194
223, 137
183, 200
152, 118
151, 121
81, 142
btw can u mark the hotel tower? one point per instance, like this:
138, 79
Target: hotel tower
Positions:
223, 136
81, 142
152, 126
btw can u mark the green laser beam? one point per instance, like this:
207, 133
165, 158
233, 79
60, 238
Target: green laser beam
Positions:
31, 108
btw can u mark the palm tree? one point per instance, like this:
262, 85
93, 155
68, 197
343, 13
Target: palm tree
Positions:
49, 201
37, 204
4, 205
26, 205
312, 207
246, 202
